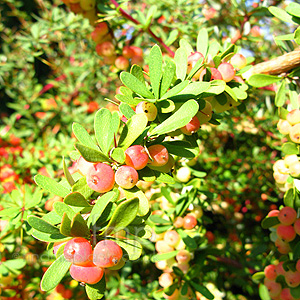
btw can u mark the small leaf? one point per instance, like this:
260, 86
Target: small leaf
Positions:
106, 126
118, 155
163, 256
269, 222
61, 208
293, 9
179, 119
67, 173
297, 35
263, 292
81, 187
258, 276
51, 185
126, 110
65, 227
193, 90
45, 237
100, 206
52, 217
164, 177
42, 225
143, 201
16, 264
280, 95
159, 220
216, 87
289, 198
168, 76
261, 80
202, 41
281, 14
79, 227
202, 290
290, 148
133, 249
90, 154
96, 291
83, 137
135, 85
181, 61
180, 148
175, 90
132, 130
295, 292
124, 214
190, 242
137, 71
55, 273
76, 199
155, 69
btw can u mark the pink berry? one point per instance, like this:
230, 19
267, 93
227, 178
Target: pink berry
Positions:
270, 272
178, 222
107, 254
293, 117
192, 60
239, 61
136, 157
172, 238
122, 63
298, 265
163, 247
279, 269
183, 256
127, 177
88, 274
292, 278
287, 215
273, 287
227, 71
282, 247
101, 178
165, 279
189, 221
105, 49
191, 127
295, 133
83, 166
78, 251
286, 294
297, 226
286, 232
159, 155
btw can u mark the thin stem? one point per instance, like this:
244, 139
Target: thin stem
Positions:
127, 16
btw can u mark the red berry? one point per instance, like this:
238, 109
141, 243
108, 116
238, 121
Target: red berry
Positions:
159, 155
107, 254
191, 127
227, 71
127, 177
78, 251
136, 157
189, 221
287, 215
90, 274
100, 178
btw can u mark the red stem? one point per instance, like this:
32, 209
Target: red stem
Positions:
127, 16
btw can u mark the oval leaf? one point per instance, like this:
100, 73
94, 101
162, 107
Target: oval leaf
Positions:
55, 273
83, 136
261, 80
90, 154
41, 225
179, 119
155, 69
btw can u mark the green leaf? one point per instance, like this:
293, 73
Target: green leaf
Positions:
296, 251
133, 249
194, 89
124, 214
100, 206
83, 137
137, 71
155, 69
81, 187
118, 155
297, 35
168, 76
67, 173
293, 9
135, 85
295, 292
216, 87
143, 201
51, 185
261, 80
126, 110
52, 217
96, 291
90, 154
106, 126
184, 44
159, 220
263, 292
289, 148
179, 119
202, 290
214, 48
15, 264
65, 227
45, 237
166, 106
146, 174
190, 242
180, 148
198, 65
289, 198
79, 227
127, 98
76, 199
175, 90
269, 222
281, 14
60, 208
55, 273
42, 225
202, 41
163, 256
181, 61
164, 177
230, 49
258, 276
132, 130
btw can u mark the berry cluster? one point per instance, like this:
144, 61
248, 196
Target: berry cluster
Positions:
101, 177
280, 278
88, 264
291, 126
